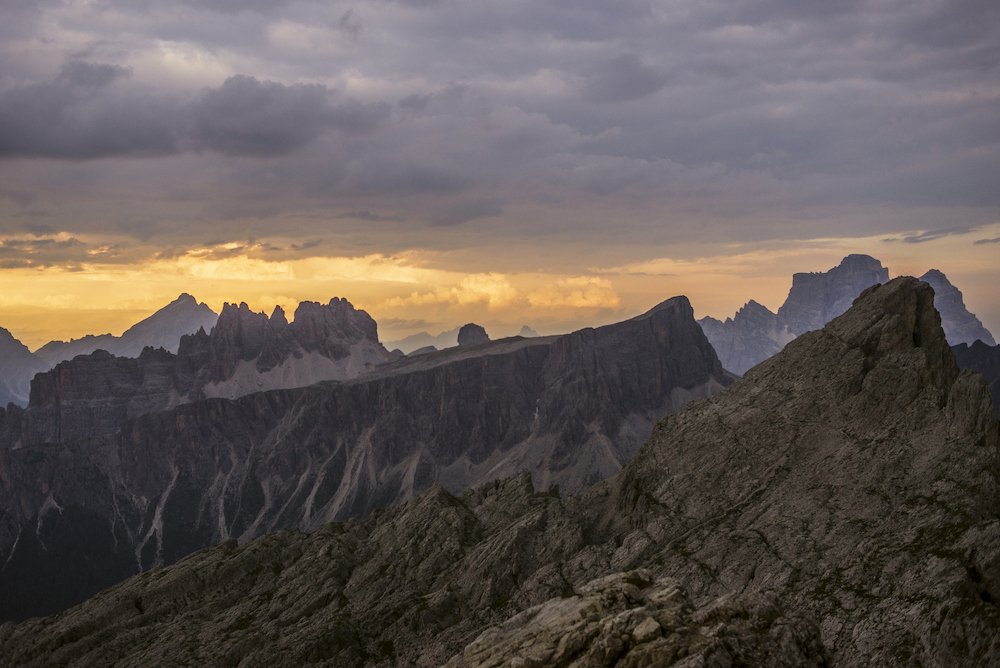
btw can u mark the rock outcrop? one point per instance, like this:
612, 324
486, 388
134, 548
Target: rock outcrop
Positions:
837, 506
163, 329
472, 335
17, 367
984, 360
570, 410
960, 326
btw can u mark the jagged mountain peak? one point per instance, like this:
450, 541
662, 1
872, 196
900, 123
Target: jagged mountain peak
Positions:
961, 326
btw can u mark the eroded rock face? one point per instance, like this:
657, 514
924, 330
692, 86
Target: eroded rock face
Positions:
837, 506
472, 335
748, 338
570, 410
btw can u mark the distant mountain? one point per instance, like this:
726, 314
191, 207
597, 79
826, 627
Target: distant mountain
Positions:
836, 507
17, 367
163, 329
984, 360
755, 333
527, 332
448, 339
137, 488
960, 326
746, 339
472, 334
246, 352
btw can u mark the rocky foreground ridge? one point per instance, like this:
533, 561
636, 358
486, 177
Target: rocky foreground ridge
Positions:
85, 507
838, 505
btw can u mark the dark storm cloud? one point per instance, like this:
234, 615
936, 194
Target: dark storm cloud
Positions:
737, 113
245, 116
76, 116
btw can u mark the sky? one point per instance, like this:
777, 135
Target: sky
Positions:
553, 163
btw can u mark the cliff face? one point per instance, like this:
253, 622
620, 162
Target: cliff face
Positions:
817, 298
733, 538
746, 339
569, 410
984, 360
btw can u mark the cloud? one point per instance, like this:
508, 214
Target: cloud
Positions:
931, 235
576, 292
494, 290
77, 117
623, 78
994, 240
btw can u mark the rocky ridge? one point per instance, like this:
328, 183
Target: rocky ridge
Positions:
570, 410
837, 506
245, 352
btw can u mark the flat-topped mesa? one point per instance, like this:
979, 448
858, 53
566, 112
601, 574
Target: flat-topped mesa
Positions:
472, 334
960, 326
817, 298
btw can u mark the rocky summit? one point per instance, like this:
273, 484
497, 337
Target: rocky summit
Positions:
89, 505
836, 506
472, 335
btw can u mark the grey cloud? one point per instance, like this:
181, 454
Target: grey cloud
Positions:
74, 117
623, 78
994, 240
370, 217
465, 211
934, 235
245, 116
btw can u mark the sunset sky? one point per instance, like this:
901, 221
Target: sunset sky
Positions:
556, 164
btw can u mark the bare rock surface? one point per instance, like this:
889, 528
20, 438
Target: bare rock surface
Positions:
984, 359
837, 506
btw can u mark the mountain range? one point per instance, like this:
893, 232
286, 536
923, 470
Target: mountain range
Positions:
118, 465
835, 506
755, 333
163, 329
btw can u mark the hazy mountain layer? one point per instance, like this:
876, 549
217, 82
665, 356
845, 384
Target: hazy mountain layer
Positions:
755, 333
836, 506
407, 345
960, 326
17, 367
85, 511
163, 329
